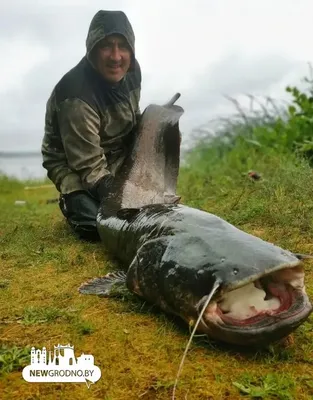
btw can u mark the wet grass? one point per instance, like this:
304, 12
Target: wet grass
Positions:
270, 385
137, 347
13, 358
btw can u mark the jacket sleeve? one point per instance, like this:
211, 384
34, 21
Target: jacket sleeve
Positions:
79, 127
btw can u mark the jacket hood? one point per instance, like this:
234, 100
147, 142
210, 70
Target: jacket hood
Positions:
106, 23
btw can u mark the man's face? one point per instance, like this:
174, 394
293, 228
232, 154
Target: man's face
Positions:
113, 57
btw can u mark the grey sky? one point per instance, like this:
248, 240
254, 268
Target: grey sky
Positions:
203, 49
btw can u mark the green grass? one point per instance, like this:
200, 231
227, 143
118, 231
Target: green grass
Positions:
13, 358
137, 347
271, 385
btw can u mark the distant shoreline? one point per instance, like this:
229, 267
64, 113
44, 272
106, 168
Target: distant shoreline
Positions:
8, 154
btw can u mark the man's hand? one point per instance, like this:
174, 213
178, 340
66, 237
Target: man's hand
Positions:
103, 187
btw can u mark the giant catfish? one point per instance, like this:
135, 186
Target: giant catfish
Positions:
178, 257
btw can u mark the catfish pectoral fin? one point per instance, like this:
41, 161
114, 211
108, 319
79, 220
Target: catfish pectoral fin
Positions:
109, 285
171, 199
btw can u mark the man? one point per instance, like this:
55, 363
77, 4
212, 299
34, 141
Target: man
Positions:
91, 116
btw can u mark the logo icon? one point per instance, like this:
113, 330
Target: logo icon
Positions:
61, 366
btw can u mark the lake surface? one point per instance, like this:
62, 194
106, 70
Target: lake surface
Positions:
23, 167
26, 166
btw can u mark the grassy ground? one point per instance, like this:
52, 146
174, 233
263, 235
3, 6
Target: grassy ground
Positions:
138, 348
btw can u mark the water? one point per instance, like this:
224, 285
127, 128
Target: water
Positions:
22, 166
26, 166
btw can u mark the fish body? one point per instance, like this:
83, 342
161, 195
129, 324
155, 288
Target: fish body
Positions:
174, 256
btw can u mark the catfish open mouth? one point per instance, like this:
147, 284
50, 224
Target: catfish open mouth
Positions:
278, 298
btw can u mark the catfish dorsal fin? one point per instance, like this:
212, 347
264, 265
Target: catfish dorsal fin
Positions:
127, 213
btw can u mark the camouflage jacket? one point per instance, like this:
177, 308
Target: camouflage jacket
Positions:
88, 121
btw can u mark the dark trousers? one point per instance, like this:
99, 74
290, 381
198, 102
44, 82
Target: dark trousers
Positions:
80, 210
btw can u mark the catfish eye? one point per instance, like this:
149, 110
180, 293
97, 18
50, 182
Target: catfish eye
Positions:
235, 271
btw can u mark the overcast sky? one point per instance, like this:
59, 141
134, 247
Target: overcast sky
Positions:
203, 49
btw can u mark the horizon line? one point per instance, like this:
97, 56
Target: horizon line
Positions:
18, 153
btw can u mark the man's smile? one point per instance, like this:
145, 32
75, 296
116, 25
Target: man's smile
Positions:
114, 66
